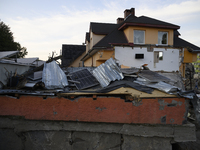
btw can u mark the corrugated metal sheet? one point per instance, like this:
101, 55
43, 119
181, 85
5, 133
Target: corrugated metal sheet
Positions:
107, 72
53, 76
129, 71
74, 69
175, 79
152, 76
162, 86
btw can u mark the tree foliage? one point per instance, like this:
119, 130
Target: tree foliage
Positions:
7, 42
197, 64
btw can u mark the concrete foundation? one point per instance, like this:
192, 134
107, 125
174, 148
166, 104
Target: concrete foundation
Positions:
20, 134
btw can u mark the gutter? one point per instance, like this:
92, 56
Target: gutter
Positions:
122, 44
148, 25
194, 51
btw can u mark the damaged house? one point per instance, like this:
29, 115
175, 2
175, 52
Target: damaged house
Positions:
118, 100
134, 41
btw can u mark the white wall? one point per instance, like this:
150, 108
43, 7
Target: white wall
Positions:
126, 56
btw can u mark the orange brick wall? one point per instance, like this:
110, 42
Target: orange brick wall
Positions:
103, 109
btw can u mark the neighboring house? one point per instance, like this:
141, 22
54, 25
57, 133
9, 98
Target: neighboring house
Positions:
72, 54
135, 41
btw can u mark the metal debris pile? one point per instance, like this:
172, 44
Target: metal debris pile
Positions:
49, 77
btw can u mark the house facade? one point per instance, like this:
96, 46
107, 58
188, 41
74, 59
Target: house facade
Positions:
134, 41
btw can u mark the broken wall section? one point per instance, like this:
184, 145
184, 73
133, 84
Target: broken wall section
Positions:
168, 62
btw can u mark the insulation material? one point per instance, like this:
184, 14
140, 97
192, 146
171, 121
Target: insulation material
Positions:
53, 77
107, 72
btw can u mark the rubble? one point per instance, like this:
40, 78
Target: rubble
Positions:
53, 77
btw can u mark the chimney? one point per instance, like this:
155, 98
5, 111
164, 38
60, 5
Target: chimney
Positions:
128, 12
120, 20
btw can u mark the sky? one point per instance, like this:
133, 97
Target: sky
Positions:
42, 26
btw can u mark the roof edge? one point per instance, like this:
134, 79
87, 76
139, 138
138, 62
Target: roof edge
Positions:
147, 25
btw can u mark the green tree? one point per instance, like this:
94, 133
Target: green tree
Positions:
197, 64
7, 42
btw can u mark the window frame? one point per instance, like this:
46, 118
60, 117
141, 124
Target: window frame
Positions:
134, 36
162, 38
158, 57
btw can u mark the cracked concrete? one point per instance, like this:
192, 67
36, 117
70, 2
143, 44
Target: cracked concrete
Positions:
60, 135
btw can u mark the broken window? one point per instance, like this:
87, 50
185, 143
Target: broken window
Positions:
162, 38
139, 37
158, 56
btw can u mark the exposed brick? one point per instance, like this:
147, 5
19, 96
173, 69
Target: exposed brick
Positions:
103, 109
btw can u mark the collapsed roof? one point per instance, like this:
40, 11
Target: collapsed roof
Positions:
104, 78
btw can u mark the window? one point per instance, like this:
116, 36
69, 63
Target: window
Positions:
139, 37
139, 56
162, 38
158, 56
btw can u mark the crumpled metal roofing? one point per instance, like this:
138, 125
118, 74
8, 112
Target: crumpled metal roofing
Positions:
53, 76
84, 78
130, 71
162, 86
107, 72
152, 76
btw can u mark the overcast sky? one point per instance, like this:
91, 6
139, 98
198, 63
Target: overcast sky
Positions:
42, 26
